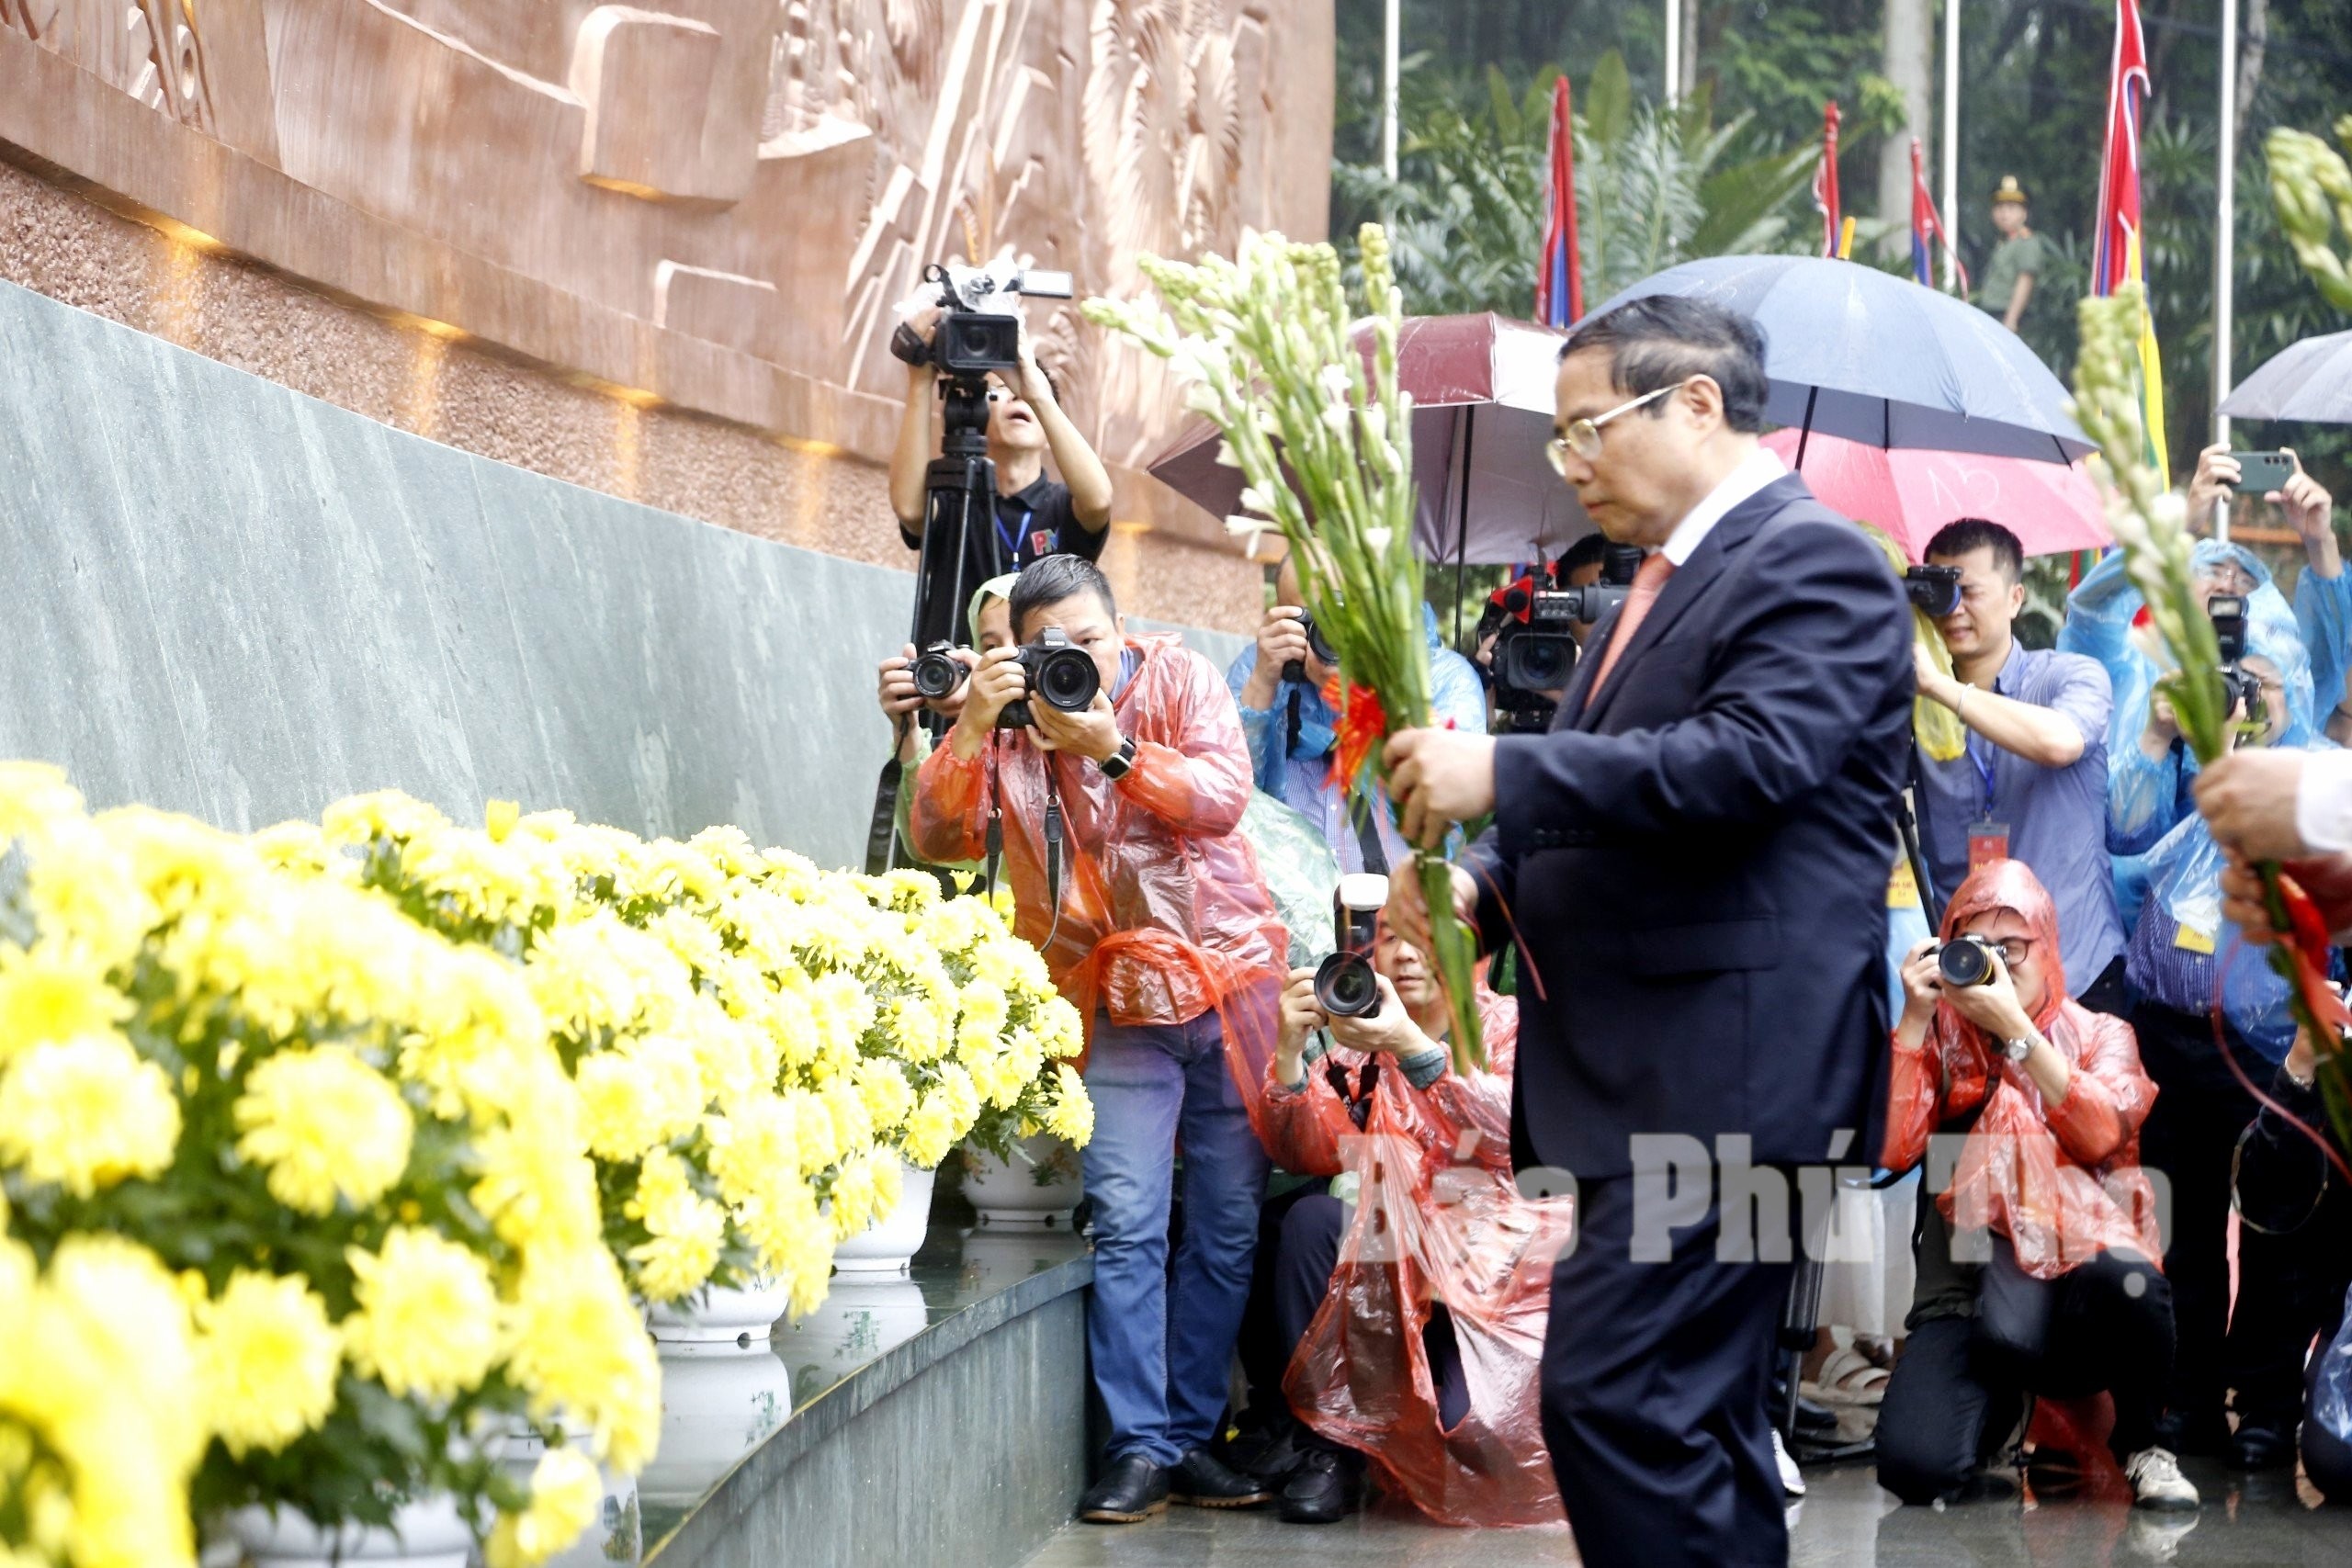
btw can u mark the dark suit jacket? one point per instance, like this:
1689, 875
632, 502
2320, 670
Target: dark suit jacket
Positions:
1697, 865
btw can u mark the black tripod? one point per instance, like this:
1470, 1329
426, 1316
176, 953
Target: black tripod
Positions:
959, 494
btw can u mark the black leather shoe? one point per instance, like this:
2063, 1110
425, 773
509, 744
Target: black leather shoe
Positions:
1322, 1491
2260, 1444
1132, 1490
1205, 1481
1272, 1461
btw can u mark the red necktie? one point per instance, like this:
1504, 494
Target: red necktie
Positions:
1647, 581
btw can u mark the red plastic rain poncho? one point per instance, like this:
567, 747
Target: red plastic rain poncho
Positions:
1162, 913
1437, 1217
2062, 1182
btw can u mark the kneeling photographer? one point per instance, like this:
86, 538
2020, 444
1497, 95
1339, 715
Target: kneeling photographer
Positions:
1110, 770
1353, 1342
934, 680
2036, 1260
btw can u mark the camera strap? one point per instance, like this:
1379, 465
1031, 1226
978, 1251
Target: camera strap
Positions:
996, 821
1053, 850
882, 829
1375, 853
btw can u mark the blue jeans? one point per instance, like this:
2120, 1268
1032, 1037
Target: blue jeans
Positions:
1162, 1339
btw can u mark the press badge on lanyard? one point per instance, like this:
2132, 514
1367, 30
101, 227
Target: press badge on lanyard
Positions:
1988, 837
1012, 542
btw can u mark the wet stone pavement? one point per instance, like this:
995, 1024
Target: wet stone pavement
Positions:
1845, 1522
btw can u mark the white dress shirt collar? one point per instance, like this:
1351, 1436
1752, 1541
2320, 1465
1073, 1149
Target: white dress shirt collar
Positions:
1754, 472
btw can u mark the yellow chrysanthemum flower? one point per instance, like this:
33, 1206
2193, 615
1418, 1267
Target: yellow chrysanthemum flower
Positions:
268, 1357
536, 1188
578, 1345
33, 795
619, 1108
687, 1230
324, 1123
86, 1114
755, 1143
387, 813
566, 1494
856, 1203
427, 1323
882, 1083
1071, 1116
930, 1133
52, 991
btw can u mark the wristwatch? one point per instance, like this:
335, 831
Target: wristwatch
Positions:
1117, 764
2020, 1049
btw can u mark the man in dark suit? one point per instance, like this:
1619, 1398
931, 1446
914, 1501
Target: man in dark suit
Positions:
1694, 861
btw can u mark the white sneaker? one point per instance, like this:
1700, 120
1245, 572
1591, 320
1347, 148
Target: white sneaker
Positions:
2156, 1481
1793, 1479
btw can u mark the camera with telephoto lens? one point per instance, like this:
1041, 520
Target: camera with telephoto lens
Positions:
972, 338
2241, 685
1345, 984
1296, 669
938, 671
1934, 589
1536, 653
1059, 673
1965, 961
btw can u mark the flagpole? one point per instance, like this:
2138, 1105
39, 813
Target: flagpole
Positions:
1388, 92
1950, 150
1673, 52
2225, 180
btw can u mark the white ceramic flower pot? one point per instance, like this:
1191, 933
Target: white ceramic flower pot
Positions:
862, 1317
886, 1247
426, 1533
724, 1316
999, 1259
1032, 1193
717, 1402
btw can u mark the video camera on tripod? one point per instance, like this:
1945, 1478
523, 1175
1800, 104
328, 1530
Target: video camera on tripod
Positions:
976, 337
1536, 653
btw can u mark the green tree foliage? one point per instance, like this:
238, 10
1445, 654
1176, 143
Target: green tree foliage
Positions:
1654, 186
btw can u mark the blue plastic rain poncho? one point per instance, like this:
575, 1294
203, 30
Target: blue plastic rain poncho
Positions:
1297, 775
2180, 935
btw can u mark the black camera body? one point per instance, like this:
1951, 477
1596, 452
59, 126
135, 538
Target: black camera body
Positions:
937, 670
2241, 685
1345, 983
1933, 588
1296, 669
972, 339
1536, 653
1965, 961
1060, 674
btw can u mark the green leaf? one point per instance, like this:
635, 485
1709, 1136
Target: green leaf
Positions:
1608, 101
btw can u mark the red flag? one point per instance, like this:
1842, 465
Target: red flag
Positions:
2114, 249
1559, 281
1825, 180
1927, 226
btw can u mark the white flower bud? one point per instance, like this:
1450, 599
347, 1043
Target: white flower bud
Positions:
1378, 538
1336, 417
1225, 456
1254, 499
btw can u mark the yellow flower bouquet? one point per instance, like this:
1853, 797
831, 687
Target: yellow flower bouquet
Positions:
347, 1139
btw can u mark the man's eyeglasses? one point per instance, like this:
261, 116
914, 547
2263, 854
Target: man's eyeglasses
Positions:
2012, 949
1583, 437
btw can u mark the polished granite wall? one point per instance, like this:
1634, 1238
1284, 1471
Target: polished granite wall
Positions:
228, 599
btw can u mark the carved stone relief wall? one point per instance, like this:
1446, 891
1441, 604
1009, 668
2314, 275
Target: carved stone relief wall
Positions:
704, 206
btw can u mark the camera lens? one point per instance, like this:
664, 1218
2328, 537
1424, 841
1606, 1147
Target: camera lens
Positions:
1067, 680
1536, 661
1964, 963
1345, 986
936, 674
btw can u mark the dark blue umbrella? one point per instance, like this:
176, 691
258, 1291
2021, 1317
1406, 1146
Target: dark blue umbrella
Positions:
2310, 381
1858, 353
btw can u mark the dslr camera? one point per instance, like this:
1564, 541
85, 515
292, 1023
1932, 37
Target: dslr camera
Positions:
1296, 669
975, 336
2241, 685
1965, 961
1933, 588
938, 671
1345, 984
1060, 674
1536, 652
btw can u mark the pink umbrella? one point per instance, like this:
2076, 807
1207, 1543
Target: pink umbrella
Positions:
1911, 491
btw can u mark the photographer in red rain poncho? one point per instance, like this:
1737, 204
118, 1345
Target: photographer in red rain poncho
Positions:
1118, 832
1410, 1299
2035, 1271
